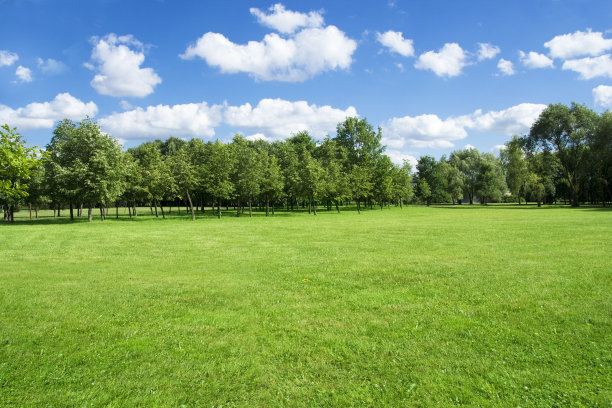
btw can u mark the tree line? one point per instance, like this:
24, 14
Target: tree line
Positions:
566, 155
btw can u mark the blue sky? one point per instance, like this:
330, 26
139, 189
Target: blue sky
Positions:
435, 75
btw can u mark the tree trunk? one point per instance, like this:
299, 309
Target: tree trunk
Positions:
314, 206
89, 214
267, 207
71, 212
161, 207
337, 208
36, 210
129, 207
190, 205
575, 202
238, 208
250, 209
358, 208
30, 208
117, 209
219, 208
155, 204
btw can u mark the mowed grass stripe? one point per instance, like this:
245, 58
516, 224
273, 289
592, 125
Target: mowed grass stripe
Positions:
501, 306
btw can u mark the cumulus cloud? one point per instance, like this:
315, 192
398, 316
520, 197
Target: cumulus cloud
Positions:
117, 61
423, 131
534, 60
398, 157
7, 58
43, 115
308, 52
257, 136
430, 131
395, 42
24, 74
505, 67
270, 119
603, 95
487, 51
577, 44
185, 120
277, 118
448, 62
286, 21
591, 67
51, 66
514, 120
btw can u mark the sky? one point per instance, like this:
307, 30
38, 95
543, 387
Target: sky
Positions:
435, 76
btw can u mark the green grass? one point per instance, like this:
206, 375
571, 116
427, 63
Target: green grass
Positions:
491, 306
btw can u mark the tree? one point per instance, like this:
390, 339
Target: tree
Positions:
452, 180
601, 156
271, 187
430, 178
467, 161
247, 173
362, 144
335, 181
566, 131
311, 177
87, 165
218, 173
491, 183
184, 173
360, 186
515, 166
156, 177
17, 165
383, 180
401, 187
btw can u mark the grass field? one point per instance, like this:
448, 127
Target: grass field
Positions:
492, 306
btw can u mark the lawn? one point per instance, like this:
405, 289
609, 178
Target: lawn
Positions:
493, 306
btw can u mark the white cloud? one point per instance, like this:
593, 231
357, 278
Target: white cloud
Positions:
423, 131
51, 66
395, 42
449, 61
429, 131
469, 147
125, 105
24, 74
305, 54
286, 21
534, 60
514, 120
497, 148
603, 95
398, 157
505, 67
7, 58
577, 44
487, 51
118, 67
188, 120
589, 67
257, 136
43, 115
277, 118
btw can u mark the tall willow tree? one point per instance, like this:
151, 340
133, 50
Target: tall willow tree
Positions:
566, 131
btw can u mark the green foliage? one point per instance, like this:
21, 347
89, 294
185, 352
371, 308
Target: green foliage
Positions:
567, 132
515, 166
17, 164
